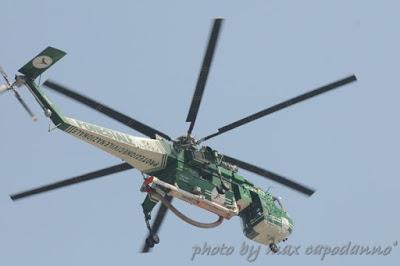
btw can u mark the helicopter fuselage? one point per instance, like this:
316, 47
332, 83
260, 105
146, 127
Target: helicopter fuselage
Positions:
195, 175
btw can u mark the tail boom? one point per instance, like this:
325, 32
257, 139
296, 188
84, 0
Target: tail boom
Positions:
146, 155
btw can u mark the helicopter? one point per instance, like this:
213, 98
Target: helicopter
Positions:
173, 168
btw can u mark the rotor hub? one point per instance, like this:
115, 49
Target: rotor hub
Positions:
185, 142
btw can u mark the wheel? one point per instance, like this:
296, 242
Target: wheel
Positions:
152, 240
274, 248
155, 239
149, 242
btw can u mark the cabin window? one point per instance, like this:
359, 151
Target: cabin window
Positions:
278, 203
206, 176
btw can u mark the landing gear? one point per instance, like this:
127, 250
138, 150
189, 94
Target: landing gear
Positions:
274, 248
152, 239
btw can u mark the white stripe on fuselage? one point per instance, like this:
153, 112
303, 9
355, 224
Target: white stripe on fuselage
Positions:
147, 155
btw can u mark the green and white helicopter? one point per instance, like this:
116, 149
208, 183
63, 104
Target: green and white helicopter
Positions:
179, 168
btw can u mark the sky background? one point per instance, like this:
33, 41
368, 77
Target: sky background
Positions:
143, 58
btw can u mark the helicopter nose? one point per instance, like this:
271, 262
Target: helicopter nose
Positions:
287, 225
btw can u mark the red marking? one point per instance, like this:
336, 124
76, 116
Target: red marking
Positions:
150, 190
148, 180
146, 184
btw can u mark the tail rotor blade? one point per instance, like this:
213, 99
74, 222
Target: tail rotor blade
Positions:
10, 86
3, 73
3, 88
23, 103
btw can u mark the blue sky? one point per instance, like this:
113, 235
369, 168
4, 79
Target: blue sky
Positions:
143, 58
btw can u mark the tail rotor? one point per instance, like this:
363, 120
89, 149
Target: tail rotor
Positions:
8, 86
3, 88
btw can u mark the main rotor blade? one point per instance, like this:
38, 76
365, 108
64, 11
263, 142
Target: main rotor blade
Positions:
162, 211
70, 181
23, 103
202, 79
283, 105
108, 111
270, 175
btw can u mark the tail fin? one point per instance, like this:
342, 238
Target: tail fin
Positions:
41, 62
35, 68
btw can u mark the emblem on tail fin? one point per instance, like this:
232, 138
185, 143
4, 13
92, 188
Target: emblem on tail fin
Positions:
42, 61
